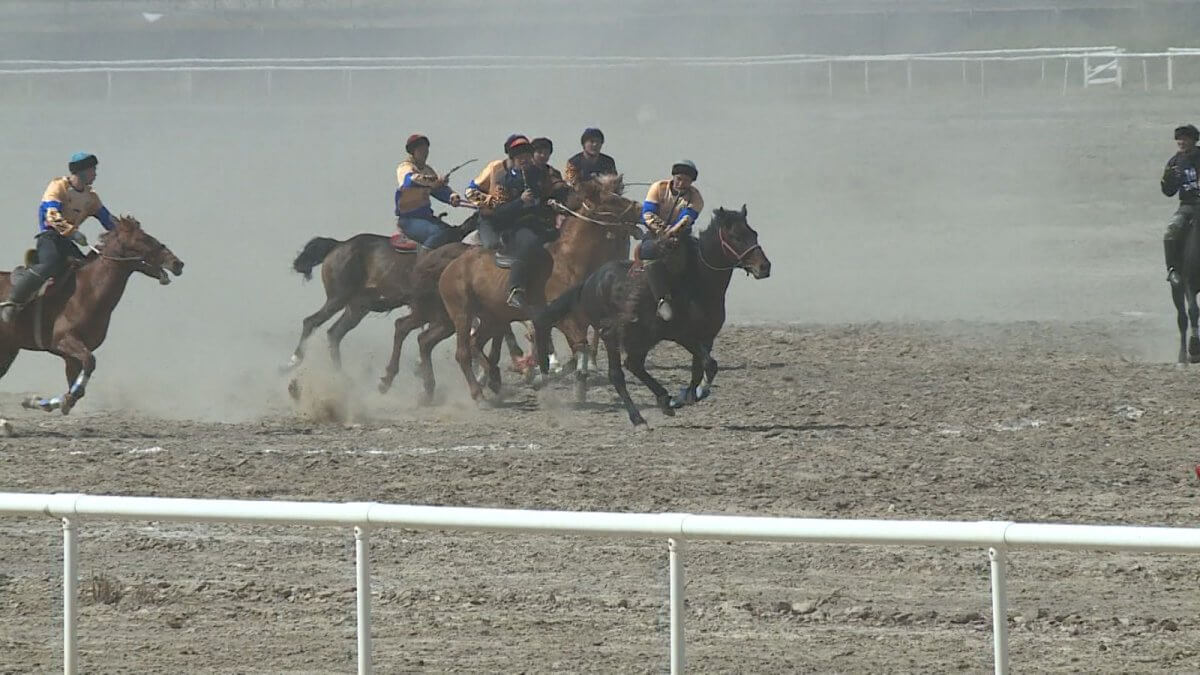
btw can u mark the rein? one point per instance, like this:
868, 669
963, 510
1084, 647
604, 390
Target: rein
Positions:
613, 224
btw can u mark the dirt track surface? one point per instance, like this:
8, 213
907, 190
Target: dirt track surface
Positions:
1021, 421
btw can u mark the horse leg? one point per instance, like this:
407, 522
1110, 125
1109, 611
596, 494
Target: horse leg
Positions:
636, 363
691, 393
1182, 319
577, 338
493, 361
616, 375
6, 361
80, 364
465, 355
426, 341
1194, 317
350, 318
403, 326
333, 305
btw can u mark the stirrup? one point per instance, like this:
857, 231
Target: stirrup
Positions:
664, 311
516, 298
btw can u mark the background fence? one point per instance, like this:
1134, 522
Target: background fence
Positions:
675, 528
1056, 69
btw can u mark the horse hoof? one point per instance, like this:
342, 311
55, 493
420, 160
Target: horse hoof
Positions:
6, 429
639, 424
385, 385
294, 390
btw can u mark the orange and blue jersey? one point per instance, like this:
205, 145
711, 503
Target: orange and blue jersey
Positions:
64, 208
672, 208
414, 191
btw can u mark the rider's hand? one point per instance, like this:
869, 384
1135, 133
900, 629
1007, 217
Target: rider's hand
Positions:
441, 180
455, 200
552, 203
528, 197
79, 238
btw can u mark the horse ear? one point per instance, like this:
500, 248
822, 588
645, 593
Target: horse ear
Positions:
743, 210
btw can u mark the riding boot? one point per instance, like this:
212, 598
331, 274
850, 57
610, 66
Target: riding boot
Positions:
516, 284
24, 286
1173, 252
660, 286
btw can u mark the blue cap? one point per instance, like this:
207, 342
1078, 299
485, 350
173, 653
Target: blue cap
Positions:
81, 161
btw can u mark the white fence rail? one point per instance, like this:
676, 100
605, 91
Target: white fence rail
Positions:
1104, 65
676, 528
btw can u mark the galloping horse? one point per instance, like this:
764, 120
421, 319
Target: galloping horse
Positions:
361, 275
71, 319
473, 286
616, 299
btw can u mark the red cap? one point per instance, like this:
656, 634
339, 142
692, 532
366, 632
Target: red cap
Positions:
413, 140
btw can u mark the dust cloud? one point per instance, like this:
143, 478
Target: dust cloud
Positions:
947, 203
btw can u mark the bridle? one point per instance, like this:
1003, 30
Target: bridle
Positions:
738, 258
620, 221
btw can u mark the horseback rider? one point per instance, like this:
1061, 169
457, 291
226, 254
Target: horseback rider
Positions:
417, 183
591, 162
1180, 176
507, 192
671, 208
67, 202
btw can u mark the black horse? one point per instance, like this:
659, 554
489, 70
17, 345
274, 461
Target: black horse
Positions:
616, 299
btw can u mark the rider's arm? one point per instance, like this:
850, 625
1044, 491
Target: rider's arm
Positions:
50, 212
650, 207
690, 211
442, 194
105, 218
1170, 179
571, 172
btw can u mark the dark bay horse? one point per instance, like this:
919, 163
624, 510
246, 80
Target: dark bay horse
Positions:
361, 275
71, 319
621, 305
473, 288
1184, 296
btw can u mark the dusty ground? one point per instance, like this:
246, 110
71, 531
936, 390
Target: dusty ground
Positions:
1022, 421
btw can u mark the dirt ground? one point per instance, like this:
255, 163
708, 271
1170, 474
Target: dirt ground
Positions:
1023, 421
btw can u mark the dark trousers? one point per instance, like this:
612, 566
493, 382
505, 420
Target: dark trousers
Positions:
54, 251
523, 244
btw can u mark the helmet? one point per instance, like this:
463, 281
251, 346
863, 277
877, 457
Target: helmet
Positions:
81, 161
517, 144
686, 167
591, 133
414, 140
1187, 131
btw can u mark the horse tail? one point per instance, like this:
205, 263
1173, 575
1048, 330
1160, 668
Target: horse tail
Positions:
559, 307
313, 254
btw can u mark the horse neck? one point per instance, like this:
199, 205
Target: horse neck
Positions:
714, 282
104, 281
577, 240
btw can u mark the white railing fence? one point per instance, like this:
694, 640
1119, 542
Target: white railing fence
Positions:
675, 528
980, 70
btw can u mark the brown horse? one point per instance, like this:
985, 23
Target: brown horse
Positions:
473, 286
71, 319
361, 275
619, 302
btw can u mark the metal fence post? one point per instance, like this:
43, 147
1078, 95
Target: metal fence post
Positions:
999, 610
677, 547
70, 597
362, 568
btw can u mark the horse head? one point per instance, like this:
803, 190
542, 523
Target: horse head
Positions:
602, 199
738, 242
128, 242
